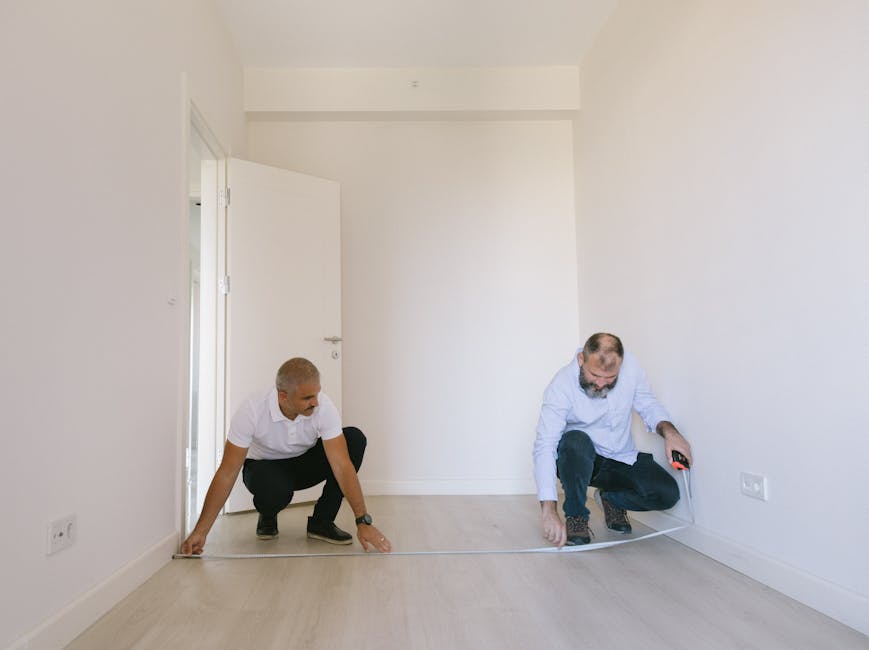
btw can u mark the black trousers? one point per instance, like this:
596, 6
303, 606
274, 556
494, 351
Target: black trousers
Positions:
273, 482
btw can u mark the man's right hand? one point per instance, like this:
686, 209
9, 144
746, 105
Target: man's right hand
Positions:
193, 545
218, 493
554, 529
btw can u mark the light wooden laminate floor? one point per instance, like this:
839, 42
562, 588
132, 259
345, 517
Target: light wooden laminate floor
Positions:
654, 593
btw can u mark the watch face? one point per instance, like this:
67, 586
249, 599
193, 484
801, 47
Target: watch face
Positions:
364, 519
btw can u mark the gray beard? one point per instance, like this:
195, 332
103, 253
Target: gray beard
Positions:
593, 391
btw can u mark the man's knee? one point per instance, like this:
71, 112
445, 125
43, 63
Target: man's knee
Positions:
575, 444
575, 456
666, 494
356, 442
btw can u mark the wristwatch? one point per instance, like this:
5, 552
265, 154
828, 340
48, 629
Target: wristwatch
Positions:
364, 519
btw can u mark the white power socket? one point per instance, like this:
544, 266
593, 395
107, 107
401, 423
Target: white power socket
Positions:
753, 485
61, 534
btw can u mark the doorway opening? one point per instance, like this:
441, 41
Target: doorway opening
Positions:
206, 174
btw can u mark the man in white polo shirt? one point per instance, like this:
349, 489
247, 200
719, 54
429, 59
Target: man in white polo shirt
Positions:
584, 439
290, 438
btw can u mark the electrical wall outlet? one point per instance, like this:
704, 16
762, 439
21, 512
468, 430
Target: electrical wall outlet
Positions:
753, 485
61, 534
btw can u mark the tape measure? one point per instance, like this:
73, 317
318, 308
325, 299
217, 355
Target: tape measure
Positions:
545, 549
680, 462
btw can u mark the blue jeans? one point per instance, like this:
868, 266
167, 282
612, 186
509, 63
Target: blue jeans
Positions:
645, 485
273, 482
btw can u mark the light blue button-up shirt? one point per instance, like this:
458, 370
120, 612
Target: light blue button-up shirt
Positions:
606, 420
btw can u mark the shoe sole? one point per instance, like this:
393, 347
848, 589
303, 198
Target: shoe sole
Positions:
598, 499
264, 536
323, 538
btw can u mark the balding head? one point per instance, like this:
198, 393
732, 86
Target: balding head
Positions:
605, 350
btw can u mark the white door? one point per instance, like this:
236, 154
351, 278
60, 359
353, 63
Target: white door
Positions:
284, 301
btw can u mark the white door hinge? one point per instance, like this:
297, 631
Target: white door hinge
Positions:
223, 197
223, 284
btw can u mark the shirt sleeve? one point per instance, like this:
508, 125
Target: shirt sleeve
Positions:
550, 427
242, 426
329, 424
646, 404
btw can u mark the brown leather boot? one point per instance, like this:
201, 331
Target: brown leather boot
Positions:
578, 532
616, 518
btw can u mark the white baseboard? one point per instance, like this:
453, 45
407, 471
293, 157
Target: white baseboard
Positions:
843, 605
449, 487
75, 618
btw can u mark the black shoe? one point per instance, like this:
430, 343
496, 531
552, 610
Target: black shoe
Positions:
616, 518
328, 532
267, 527
578, 532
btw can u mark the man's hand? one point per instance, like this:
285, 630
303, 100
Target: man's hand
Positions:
674, 441
194, 544
218, 492
369, 535
554, 529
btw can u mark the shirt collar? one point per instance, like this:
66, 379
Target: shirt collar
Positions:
274, 408
575, 364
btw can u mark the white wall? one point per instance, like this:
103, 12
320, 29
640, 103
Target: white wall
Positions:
723, 186
296, 90
94, 246
459, 288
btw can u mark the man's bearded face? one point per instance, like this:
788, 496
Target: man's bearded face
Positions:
594, 388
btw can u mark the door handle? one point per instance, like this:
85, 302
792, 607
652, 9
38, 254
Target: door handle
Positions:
333, 339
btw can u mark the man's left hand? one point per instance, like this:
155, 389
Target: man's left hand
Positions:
370, 536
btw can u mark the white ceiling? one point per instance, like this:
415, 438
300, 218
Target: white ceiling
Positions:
413, 33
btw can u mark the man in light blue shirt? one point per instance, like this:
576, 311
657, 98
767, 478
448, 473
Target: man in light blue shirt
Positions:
584, 439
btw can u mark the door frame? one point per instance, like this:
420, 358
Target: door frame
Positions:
194, 121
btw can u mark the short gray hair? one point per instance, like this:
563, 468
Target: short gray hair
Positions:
294, 372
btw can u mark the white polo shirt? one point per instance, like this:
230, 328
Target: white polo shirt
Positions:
268, 434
